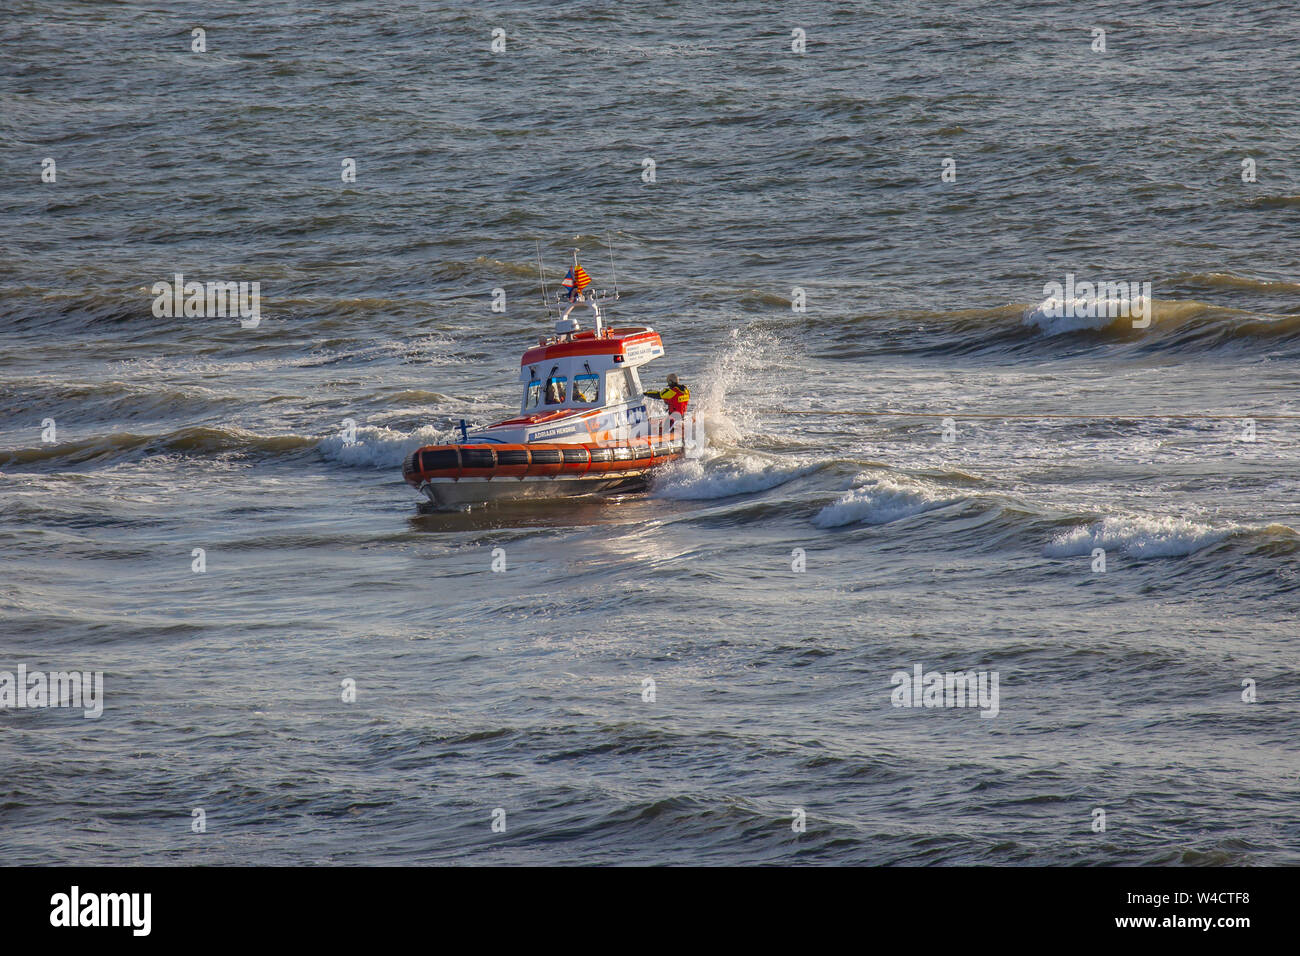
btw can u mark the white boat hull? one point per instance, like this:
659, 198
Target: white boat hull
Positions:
451, 494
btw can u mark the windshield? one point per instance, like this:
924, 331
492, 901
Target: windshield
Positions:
586, 388
615, 387
556, 387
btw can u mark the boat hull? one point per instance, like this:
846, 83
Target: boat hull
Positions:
453, 476
452, 494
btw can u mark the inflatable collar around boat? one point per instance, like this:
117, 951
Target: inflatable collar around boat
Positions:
583, 427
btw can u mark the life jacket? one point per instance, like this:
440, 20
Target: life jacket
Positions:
676, 397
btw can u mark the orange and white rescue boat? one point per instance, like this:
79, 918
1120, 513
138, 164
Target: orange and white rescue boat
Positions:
583, 426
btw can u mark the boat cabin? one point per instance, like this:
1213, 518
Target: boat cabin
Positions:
586, 370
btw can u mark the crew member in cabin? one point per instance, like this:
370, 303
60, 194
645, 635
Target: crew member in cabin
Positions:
676, 396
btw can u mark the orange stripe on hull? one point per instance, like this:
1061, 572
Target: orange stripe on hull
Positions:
535, 460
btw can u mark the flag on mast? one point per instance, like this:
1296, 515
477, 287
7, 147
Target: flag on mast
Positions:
575, 281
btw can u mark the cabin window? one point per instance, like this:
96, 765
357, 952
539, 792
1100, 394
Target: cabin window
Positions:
532, 394
615, 387
586, 388
556, 387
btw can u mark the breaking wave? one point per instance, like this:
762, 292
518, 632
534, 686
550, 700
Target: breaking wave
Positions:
371, 447
724, 476
380, 447
882, 500
197, 441
1057, 317
1140, 537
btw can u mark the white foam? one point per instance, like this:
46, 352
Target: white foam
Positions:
1138, 537
379, 447
882, 500
1075, 313
723, 476
745, 363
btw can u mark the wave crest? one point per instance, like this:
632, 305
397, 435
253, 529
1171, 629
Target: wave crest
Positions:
1139, 537
724, 476
883, 500
380, 447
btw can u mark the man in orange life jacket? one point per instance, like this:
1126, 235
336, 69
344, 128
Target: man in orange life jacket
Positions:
676, 396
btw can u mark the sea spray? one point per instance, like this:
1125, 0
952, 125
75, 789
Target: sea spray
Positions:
726, 399
725, 411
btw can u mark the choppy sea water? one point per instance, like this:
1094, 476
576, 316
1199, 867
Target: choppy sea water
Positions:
962, 545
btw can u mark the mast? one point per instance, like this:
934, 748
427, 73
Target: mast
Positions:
609, 244
541, 274
590, 300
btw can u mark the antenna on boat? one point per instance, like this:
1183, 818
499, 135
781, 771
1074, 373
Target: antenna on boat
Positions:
541, 273
609, 244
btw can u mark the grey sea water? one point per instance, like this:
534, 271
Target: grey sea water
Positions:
838, 530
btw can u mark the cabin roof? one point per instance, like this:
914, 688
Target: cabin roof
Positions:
588, 343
